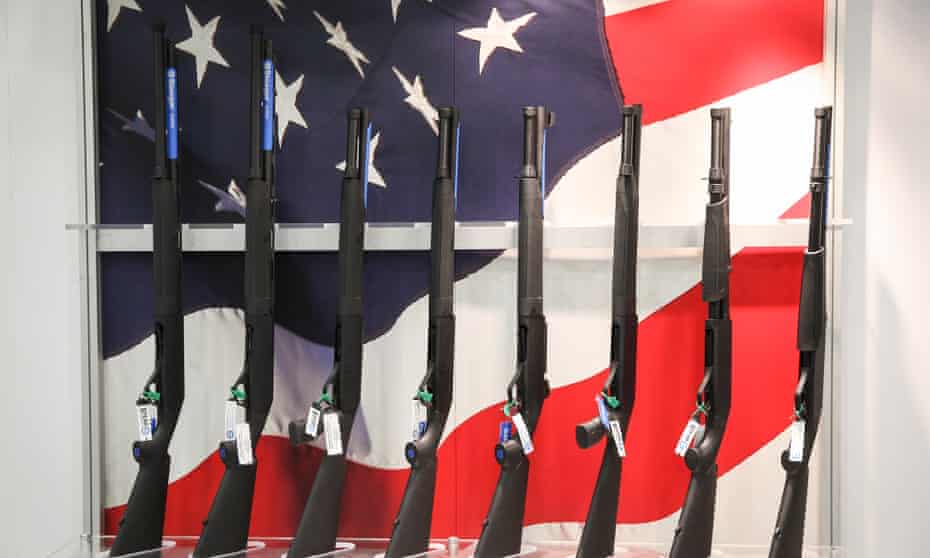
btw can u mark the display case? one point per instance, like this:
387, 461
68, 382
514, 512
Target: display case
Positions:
771, 63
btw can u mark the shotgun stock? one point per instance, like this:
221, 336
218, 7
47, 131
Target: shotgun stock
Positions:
812, 318
159, 404
227, 526
694, 534
615, 402
434, 394
335, 410
502, 532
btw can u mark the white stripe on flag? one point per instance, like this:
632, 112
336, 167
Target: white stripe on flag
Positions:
612, 7
577, 287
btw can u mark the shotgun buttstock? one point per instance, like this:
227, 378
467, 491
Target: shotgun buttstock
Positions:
789, 527
227, 526
600, 528
141, 526
414, 520
316, 533
501, 534
695, 531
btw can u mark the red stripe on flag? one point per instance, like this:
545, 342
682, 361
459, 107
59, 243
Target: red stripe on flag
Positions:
679, 55
765, 292
800, 210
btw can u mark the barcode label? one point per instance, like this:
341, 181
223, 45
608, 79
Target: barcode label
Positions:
313, 422
244, 443
687, 436
525, 440
147, 415
617, 434
333, 432
235, 414
796, 446
418, 419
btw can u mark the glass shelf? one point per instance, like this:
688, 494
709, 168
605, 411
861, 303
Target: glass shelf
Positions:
258, 547
564, 549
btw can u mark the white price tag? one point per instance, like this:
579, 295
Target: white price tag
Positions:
333, 432
244, 443
525, 440
796, 446
617, 434
687, 436
235, 414
147, 415
312, 428
418, 418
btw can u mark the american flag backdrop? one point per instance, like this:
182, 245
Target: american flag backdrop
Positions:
402, 59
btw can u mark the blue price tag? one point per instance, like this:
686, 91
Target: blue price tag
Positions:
602, 410
506, 431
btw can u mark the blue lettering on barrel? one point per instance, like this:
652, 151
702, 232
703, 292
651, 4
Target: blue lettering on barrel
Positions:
268, 106
171, 114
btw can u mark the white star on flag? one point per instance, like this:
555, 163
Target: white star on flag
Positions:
286, 104
232, 200
277, 6
395, 6
139, 125
374, 175
200, 44
339, 39
416, 98
498, 34
115, 6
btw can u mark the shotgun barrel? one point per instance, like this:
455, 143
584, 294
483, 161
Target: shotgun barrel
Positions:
694, 534
227, 526
434, 394
788, 538
615, 402
502, 532
336, 408
159, 404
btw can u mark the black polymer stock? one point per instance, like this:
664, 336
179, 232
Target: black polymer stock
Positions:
316, 533
227, 526
694, 534
414, 520
142, 525
597, 538
812, 316
502, 532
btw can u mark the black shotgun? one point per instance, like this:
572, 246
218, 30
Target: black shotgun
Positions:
334, 413
812, 319
615, 402
502, 532
159, 404
227, 526
695, 531
434, 394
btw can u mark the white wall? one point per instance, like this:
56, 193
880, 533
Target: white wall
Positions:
885, 369
40, 165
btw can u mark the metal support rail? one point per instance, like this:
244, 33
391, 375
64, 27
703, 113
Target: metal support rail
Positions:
655, 240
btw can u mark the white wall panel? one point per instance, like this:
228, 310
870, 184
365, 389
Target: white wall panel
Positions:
40, 160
